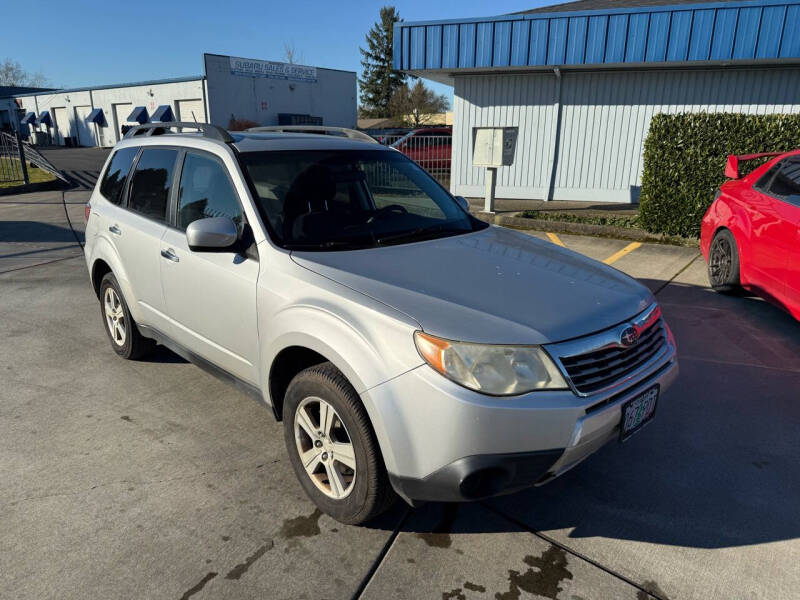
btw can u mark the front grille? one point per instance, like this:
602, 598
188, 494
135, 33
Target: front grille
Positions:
600, 369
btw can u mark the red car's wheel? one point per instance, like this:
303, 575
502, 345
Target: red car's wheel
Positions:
723, 262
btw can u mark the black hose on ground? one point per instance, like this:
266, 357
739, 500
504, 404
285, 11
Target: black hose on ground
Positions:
69, 222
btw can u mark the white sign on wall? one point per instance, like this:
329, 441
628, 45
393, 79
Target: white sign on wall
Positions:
272, 70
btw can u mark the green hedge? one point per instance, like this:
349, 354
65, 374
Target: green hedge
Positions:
684, 162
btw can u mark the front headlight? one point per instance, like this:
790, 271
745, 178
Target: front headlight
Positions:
490, 369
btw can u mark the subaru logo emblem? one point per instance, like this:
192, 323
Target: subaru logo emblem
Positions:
628, 337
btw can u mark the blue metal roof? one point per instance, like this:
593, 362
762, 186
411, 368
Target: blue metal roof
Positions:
163, 114
29, 118
754, 30
44, 118
111, 86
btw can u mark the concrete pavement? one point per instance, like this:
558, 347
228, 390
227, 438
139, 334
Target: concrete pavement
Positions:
152, 479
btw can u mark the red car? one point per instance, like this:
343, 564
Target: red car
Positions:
750, 235
430, 148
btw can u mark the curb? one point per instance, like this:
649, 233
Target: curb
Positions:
621, 233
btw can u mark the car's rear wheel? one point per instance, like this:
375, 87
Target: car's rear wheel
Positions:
119, 325
332, 447
723, 262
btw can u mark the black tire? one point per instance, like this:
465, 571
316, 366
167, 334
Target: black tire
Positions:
371, 493
134, 345
723, 263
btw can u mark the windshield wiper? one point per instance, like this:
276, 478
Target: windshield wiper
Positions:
321, 245
419, 233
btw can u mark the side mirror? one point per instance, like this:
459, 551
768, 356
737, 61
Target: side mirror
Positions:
215, 233
463, 203
732, 167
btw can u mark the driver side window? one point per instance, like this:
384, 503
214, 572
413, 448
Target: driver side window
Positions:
206, 191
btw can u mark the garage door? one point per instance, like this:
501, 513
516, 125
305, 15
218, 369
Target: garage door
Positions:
61, 127
82, 128
121, 112
191, 110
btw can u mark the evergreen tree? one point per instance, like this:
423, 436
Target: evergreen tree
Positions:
379, 80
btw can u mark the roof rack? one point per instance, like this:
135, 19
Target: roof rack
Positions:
208, 130
316, 129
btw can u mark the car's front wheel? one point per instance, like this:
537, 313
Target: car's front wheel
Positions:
723, 262
332, 447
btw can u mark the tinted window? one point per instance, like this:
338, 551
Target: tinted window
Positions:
114, 179
339, 200
149, 193
786, 183
206, 191
763, 183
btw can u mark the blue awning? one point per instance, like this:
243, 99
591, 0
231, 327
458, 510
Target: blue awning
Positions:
29, 119
44, 118
96, 116
139, 115
163, 114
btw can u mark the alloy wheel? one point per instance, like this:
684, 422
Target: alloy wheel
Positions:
325, 447
720, 261
115, 316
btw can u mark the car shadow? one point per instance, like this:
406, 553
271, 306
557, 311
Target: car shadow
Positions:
718, 467
36, 231
162, 354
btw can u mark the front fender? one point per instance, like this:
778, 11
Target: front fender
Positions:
368, 349
363, 338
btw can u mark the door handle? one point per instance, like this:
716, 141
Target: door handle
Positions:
115, 230
169, 254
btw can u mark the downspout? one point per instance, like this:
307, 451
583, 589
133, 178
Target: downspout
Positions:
556, 135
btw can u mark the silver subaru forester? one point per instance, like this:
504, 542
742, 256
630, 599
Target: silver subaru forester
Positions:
409, 348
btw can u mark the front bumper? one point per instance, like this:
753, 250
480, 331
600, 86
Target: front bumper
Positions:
443, 442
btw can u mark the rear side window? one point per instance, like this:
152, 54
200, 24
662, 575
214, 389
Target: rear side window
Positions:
151, 182
786, 184
206, 192
114, 180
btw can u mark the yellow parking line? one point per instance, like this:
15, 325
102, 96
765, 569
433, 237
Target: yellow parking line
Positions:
626, 250
555, 239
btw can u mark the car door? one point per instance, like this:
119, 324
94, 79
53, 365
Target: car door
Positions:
211, 295
137, 229
784, 189
766, 260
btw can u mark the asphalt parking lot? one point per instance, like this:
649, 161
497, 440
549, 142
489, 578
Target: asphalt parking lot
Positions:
152, 479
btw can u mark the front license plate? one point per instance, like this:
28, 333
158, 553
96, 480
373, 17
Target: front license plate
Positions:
637, 412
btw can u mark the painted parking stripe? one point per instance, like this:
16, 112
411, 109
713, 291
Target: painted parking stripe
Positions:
626, 250
555, 239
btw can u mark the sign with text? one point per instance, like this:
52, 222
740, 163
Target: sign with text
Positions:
272, 70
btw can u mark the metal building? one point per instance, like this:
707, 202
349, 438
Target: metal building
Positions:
582, 80
264, 92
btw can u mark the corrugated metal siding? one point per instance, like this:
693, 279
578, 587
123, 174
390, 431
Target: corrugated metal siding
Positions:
605, 119
764, 30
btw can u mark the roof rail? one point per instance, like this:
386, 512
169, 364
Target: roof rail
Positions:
317, 129
208, 130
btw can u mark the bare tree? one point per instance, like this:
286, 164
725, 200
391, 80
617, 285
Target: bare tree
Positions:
418, 105
291, 55
12, 74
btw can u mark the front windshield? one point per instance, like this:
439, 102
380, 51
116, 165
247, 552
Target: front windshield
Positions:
340, 200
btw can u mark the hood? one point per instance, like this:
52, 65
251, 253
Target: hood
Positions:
495, 286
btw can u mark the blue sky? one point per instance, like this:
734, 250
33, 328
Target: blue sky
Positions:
77, 43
